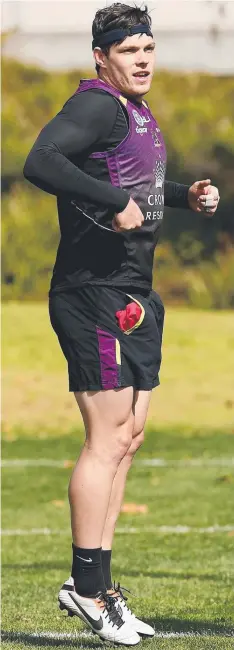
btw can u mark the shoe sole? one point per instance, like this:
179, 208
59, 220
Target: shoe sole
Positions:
69, 608
69, 611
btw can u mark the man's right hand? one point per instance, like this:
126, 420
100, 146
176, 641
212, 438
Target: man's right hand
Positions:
129, 219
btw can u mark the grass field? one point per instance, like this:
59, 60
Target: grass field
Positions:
182, 574
183, 581
196, 377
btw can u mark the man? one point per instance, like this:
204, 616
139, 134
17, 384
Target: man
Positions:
104, 158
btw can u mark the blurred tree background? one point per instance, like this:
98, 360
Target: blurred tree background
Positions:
194, 263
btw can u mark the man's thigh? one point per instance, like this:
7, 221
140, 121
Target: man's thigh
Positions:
141, 406
106, 409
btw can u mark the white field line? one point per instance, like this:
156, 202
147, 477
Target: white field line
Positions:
149, 462
187, 462
38, 462
59, 636
174, 530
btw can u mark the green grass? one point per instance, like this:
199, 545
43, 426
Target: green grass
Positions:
183, 583
196, 377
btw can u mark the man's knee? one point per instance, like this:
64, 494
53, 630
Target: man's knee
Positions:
137, 441
112, 445
123, 440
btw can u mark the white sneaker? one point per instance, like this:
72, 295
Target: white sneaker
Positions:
99, 613
139, 626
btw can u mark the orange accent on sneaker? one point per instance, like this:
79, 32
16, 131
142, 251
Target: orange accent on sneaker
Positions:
100, 603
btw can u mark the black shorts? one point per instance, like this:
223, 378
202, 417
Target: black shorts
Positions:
100, 355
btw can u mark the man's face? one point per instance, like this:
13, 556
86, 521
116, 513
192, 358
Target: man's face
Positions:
129, 65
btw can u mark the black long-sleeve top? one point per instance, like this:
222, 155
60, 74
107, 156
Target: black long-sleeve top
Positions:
52, 162
58, 162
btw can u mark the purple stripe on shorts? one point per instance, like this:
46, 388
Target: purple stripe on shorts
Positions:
110, 375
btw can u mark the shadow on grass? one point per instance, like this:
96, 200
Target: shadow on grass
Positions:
203, 628
34, 566
173, 574
44, 640
52, 566
163, 626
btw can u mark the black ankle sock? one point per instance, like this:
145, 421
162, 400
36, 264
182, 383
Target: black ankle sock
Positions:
106, 568
87, 571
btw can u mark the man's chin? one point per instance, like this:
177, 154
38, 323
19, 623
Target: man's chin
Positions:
140, 89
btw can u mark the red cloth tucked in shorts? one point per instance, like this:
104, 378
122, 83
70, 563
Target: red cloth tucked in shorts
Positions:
129, 317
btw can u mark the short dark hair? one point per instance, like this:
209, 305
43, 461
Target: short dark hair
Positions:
118, 16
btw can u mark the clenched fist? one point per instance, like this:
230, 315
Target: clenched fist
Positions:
201, 192
129, 219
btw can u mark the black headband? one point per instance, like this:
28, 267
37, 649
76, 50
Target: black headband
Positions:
119, 35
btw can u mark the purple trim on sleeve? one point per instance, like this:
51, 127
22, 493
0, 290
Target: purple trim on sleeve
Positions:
98, 154
110, 371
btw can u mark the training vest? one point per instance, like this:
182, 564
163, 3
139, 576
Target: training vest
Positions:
137, 165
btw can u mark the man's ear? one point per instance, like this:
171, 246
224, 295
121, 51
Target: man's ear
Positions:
100, 57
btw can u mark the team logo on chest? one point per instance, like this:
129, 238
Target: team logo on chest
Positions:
140, 120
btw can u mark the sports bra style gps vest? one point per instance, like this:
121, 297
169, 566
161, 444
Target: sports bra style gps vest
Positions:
137, 165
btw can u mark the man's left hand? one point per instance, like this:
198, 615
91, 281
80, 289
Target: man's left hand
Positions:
201, 192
